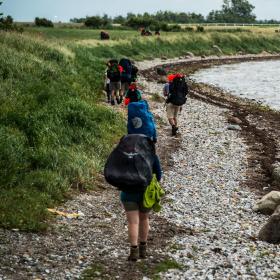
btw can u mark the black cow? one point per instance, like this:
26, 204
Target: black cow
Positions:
104, 35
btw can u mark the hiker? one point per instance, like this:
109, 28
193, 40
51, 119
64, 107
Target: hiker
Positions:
133, 94
126, 64
138, 218
130, 168
107, 84
140, 120
114, 75
175, 92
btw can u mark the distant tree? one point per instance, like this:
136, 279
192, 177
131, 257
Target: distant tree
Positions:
94, 22
78, 20
106, 20
137, 22
43, 22
233, 11
130, 15
155, 20
269, 21
119, 19
8, 20
6, 23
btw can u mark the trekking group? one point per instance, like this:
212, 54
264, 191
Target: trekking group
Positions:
119, 76
133, 166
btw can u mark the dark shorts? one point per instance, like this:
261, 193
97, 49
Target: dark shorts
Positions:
115, 86
124, 86
133, 202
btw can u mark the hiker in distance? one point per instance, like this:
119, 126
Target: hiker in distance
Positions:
133, 94
107, 84
175, 92
130, 168
126, 76
114, 75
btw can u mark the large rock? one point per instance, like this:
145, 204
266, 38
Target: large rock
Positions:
234, 127
270, 232
232, 119
268, 203
189, 54
264, 53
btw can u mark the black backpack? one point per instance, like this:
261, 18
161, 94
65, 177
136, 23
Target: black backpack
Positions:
133, 95
113, 73
134, 72
178, 91
127, 70
130, 165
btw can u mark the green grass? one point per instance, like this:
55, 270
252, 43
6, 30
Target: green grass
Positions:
153, 270
77, 34
147, 268
95, 271
54, 133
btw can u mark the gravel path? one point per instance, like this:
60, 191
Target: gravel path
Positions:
204, 196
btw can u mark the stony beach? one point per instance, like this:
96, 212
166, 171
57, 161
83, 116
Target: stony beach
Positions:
206, 195
207, 224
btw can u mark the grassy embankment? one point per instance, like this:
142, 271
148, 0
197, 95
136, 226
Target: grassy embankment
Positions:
54, 133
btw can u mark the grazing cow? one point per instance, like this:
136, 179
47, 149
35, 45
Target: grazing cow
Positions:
145, 32
104, 35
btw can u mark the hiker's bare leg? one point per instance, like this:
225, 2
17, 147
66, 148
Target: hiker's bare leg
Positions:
175, 122
133, 226
171, 121
143, 226
118, 96
113, 94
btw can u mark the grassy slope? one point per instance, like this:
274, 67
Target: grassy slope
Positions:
53, 132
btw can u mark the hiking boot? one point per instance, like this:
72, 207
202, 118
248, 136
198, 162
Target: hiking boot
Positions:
134, 254
174, 130
143, 251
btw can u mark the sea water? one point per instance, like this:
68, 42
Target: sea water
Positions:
259, 81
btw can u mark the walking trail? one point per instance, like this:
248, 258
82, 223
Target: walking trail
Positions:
207, 224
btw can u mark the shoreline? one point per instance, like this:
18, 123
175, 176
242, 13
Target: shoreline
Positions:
215, 178
208, 61
259, 124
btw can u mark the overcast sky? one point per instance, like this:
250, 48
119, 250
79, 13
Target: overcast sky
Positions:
63, 10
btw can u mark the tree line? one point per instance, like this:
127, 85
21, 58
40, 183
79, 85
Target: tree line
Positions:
232, 11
